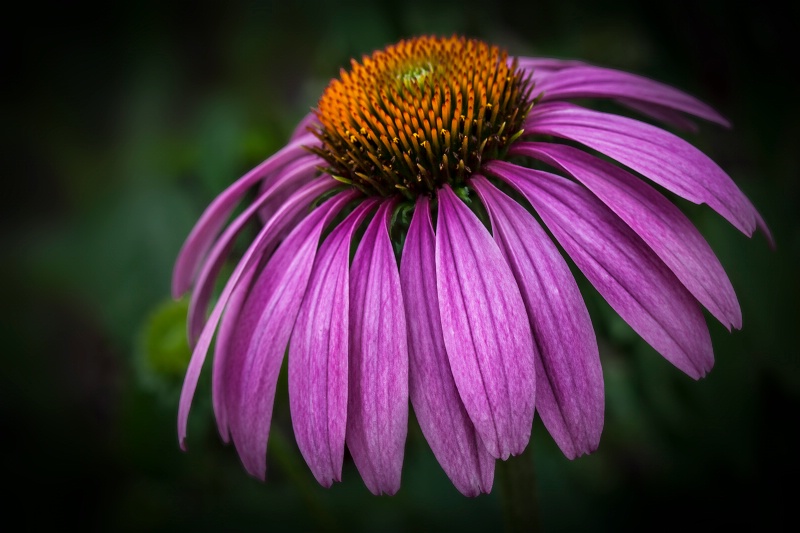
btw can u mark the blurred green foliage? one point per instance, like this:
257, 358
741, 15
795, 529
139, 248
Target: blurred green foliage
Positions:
122, 121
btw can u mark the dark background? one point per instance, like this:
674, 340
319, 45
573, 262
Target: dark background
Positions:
123, 120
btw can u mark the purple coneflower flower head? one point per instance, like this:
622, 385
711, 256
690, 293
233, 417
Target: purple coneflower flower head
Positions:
408, 254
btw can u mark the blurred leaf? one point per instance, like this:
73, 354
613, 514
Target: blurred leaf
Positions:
163, 350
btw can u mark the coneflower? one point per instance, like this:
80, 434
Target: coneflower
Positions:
407, 252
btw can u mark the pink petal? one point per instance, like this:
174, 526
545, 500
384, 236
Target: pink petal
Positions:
486, 330
664, 114
569, 378
226, 337
626, 272
657, 154
655, 219
301, 129
248, 262
245, 390
205, 230
437, 404
377, 411
545, 66
318, 355
597, 82
283, 183
204, 287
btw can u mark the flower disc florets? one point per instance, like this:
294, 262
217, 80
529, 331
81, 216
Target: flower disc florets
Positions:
419, 114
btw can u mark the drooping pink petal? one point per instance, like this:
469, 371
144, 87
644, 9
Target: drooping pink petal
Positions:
237, 326
377, 410
302, 128
542, 67
219, 253
626, 272
230, 322
283, 183
664, 114
248, 261
598, 82
318, 354
247, 385
485, 328
657, 154
655, 219
205, 230
437, 404
569, 378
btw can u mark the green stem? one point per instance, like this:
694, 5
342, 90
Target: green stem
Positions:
518, 493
